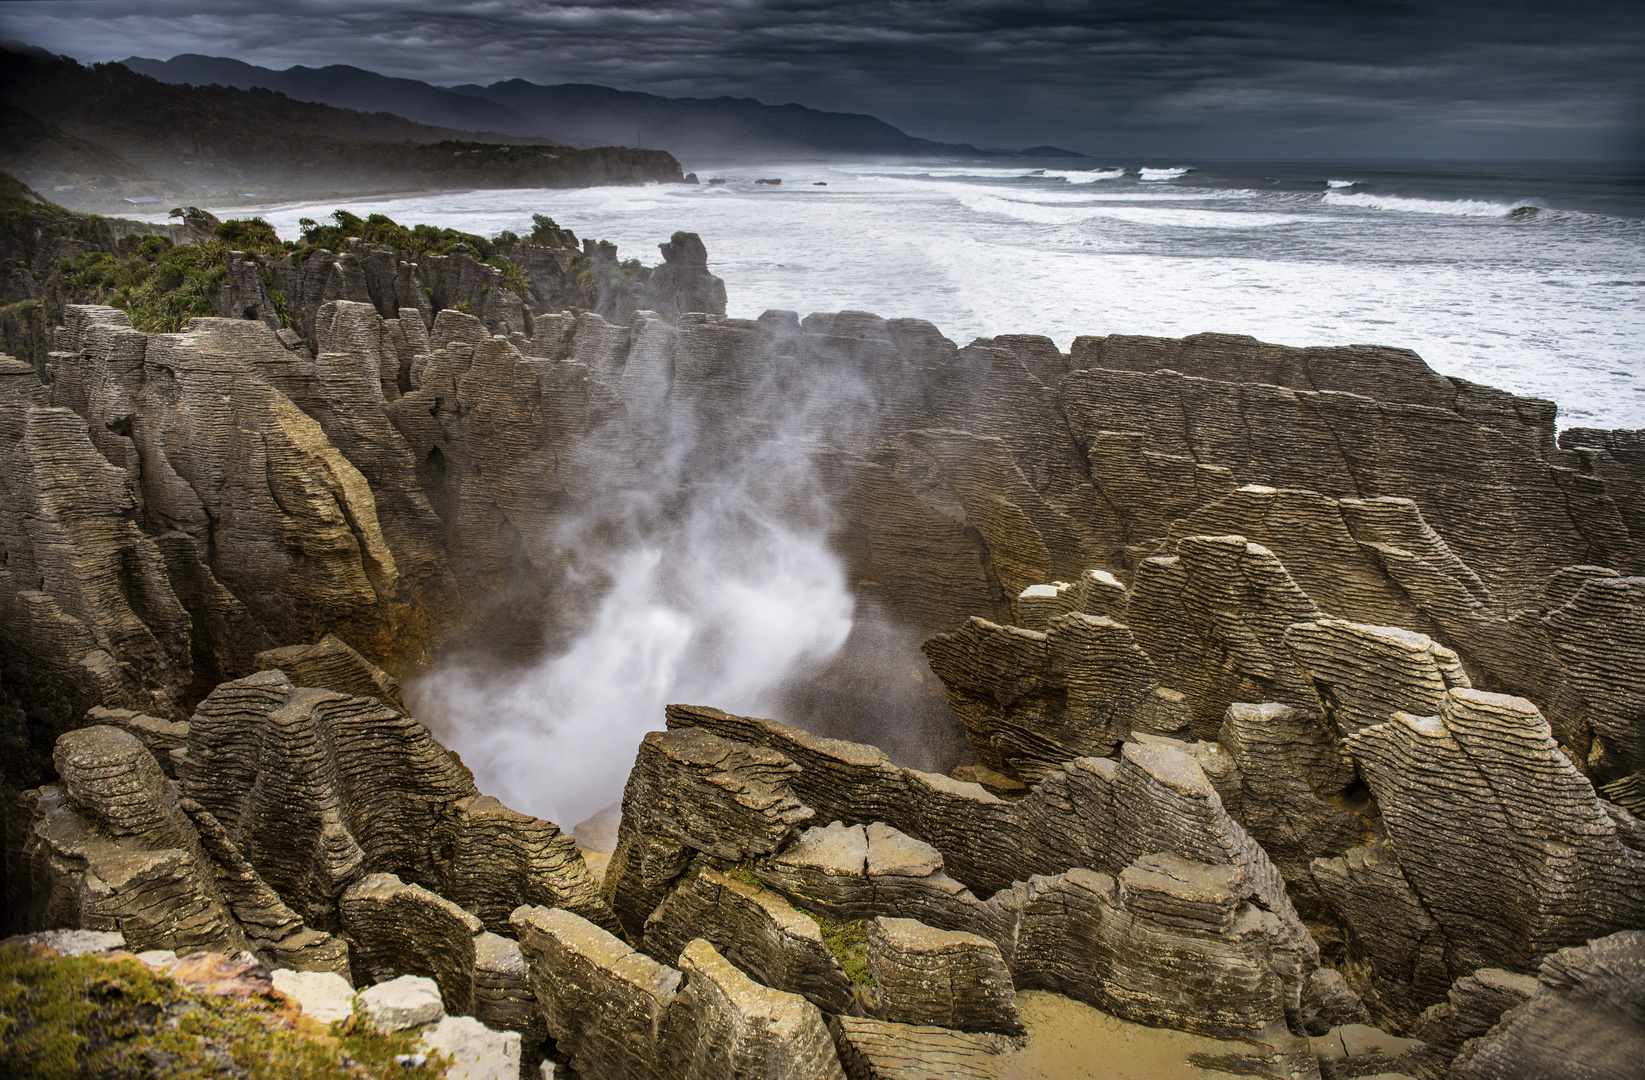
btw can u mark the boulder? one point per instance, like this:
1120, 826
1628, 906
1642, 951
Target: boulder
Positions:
754, 928
324, 995
476, 1051
941, 978
406, 1002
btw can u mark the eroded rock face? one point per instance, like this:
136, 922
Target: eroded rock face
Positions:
117, 848
617, 1013
1587, 1014
1272, 634
1504, 841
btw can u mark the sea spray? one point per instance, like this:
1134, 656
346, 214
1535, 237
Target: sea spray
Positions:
713, 579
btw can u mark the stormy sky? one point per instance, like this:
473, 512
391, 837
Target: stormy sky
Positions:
1283, 78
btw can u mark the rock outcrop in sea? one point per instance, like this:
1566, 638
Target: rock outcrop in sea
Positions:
1298, 689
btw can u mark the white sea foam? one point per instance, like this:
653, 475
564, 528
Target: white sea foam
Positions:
1340, 183
1162, 174
1404, 204
1083, 176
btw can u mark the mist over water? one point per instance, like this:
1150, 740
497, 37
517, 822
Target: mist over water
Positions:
726, 610
713, 581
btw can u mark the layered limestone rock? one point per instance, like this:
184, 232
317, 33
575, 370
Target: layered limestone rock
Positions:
754, 928
857, 872
1505, 843
682, 282
946, 978
1362, 675
617, 1013
873, 1049
494, 859
691, 791
87, 616
1299, 796
1525, 513
1151, 951
1306, 560
319, 789
1586, 1018
329, 664
1031, 700
400, 929
472, 448
116, 848
1213, 619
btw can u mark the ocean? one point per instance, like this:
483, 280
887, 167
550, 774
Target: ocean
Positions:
1525, 276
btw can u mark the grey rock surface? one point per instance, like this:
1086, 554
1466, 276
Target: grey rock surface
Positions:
405, 1002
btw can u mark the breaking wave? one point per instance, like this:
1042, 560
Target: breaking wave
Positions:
1405, 204
1083, 176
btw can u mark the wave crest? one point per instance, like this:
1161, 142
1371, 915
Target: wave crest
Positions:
1406, 204
1083, 176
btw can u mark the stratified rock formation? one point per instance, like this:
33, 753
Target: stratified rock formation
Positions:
1304, 683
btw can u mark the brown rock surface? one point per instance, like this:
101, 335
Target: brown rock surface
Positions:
942, 978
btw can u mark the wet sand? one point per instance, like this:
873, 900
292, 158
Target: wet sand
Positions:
1068, 1040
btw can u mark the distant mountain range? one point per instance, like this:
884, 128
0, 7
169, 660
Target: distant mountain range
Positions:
696, 130
106, 132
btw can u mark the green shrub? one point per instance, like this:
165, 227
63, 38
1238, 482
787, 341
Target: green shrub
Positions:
541, 226
253, 234
848, 941
384, 230
514, 276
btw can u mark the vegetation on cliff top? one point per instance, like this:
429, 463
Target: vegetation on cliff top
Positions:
66, 1017
69, 257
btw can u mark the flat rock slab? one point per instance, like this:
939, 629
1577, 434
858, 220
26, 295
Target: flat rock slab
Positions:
409, 1001
72, 942
324, 995
879, 1050
476, 1052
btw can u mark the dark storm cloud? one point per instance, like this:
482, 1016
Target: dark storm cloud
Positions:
1130, 76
